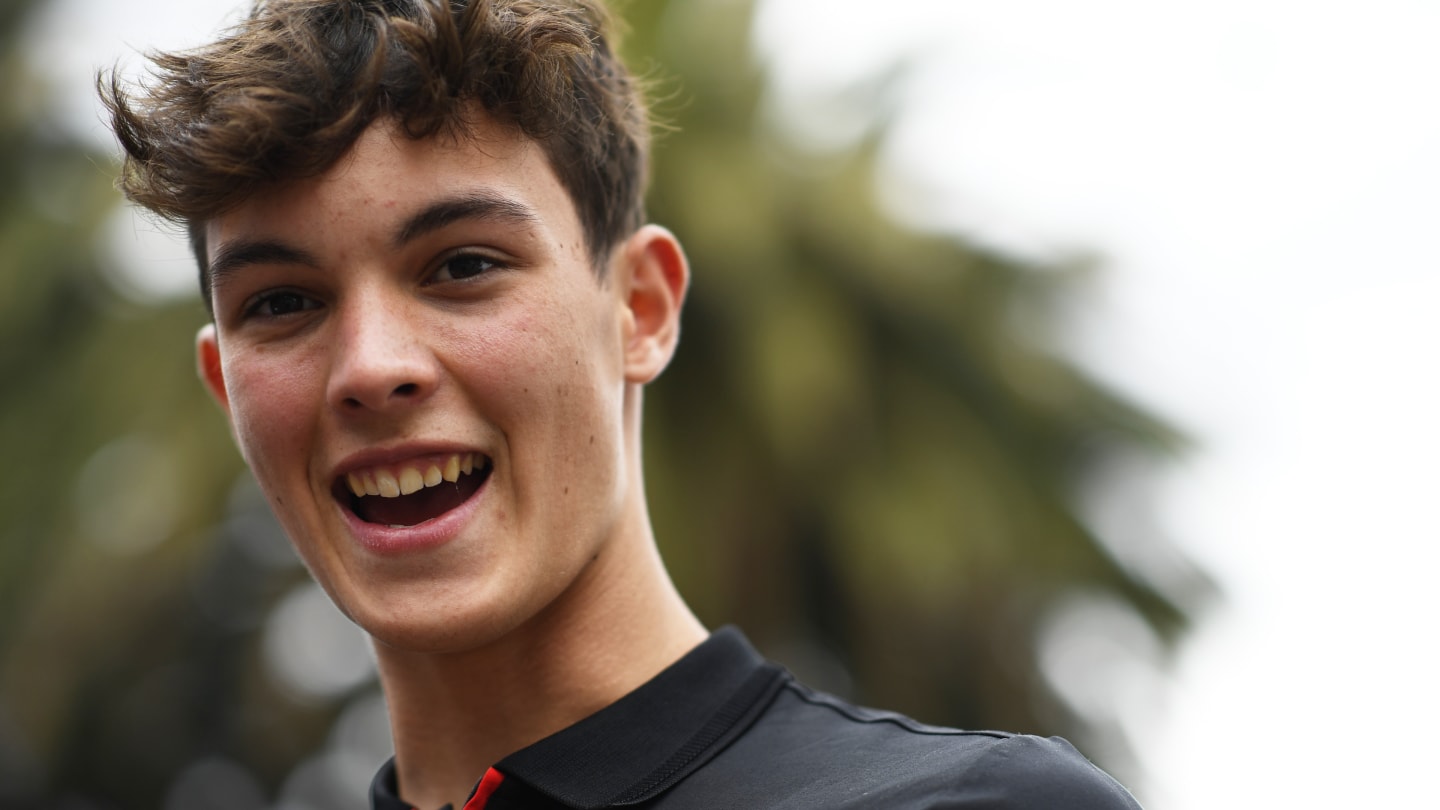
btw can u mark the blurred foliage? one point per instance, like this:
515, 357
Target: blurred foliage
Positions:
867, 454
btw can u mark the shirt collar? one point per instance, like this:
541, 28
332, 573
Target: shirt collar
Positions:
648, 740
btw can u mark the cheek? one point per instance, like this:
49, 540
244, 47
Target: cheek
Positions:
516, 360
490, 361
270, 404
545, 373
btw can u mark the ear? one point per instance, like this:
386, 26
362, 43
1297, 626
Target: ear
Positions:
654, 275
207, 362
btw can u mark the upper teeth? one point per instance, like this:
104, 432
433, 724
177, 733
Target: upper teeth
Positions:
388, 482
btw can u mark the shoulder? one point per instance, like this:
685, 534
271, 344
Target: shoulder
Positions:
825, 751
1024, 771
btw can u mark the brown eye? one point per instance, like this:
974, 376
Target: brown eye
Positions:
279, 304
465, 265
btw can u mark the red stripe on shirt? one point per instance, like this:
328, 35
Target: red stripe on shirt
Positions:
485, 789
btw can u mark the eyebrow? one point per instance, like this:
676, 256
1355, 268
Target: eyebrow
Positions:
233, 256
474, 205
230, 257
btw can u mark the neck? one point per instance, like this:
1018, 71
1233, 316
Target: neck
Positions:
455, 714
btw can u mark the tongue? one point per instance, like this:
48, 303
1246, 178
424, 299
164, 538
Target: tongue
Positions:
408, 510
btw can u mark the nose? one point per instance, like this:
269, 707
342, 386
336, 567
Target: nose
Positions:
381, 361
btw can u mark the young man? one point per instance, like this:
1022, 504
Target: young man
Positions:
435, 307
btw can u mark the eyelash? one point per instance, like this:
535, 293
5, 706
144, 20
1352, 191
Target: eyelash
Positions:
490, 263
253, 307
304, 303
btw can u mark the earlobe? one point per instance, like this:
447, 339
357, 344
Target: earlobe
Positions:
207, 361
656, 276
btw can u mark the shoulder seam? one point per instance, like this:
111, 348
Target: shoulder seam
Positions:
1101, 790
900, 721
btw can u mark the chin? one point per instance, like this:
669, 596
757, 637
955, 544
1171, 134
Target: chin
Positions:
427, 635
434, 627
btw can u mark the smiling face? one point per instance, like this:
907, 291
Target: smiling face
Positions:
435, 389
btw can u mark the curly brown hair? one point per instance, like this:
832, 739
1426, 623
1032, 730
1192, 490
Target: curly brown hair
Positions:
285, 93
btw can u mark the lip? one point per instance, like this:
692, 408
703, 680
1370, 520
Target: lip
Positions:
437, 531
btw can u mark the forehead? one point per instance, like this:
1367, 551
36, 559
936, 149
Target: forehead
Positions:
386, 177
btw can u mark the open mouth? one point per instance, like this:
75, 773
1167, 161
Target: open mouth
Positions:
412, 493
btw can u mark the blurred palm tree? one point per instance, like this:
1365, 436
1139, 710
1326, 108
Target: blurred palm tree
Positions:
867, 454
122, 653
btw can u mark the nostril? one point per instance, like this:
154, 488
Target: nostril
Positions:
361, 390
407, 391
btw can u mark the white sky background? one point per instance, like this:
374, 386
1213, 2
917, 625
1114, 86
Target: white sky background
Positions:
1261, 179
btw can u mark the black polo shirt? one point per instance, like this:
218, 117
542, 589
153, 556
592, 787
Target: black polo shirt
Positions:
724, 728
